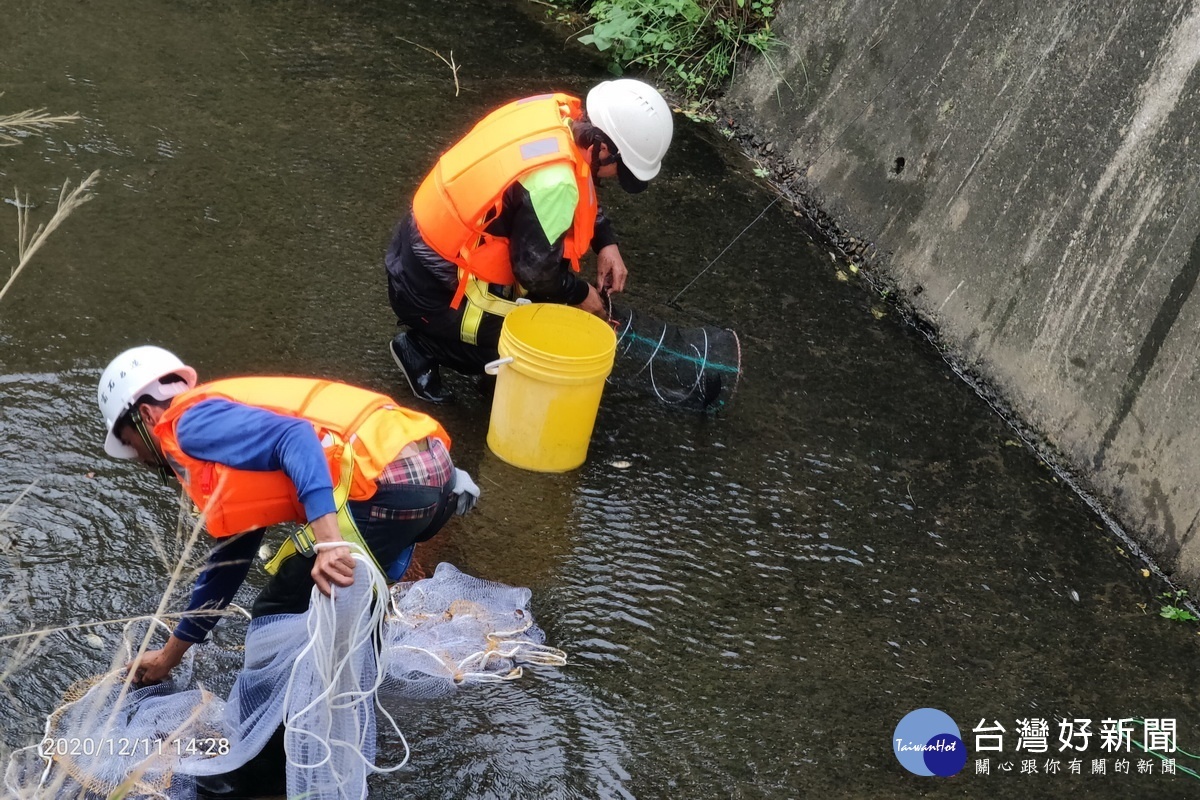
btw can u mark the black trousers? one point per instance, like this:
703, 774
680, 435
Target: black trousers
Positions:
289, 592
421, 302
437, 335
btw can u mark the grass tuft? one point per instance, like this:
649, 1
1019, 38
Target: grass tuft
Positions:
694, 46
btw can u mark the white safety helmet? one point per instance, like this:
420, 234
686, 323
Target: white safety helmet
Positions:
137, 372
637, 119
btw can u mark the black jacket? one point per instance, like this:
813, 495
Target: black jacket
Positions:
426, 281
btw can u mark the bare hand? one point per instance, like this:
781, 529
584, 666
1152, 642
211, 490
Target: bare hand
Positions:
610, 269
593, 304
154, 666
333, 565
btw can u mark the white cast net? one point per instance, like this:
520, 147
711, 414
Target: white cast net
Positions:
453, 629
323, 675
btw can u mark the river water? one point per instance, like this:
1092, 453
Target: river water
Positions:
750, 604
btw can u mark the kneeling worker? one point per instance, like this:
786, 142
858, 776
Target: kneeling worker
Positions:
258, 451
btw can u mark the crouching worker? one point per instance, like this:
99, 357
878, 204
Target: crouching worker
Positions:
506, 216
348, 464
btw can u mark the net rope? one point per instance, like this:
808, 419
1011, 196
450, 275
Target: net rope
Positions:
325, 676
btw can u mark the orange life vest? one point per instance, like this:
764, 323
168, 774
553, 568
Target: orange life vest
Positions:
235, 500
463, 194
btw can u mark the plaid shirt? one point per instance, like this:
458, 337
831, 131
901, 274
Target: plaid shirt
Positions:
430, 466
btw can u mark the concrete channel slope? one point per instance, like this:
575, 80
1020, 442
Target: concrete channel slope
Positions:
1028, 172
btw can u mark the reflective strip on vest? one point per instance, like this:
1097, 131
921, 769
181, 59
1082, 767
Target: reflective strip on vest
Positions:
463, 192
542, 147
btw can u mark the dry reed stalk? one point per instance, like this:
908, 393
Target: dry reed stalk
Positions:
161, 611
32, 120
5, 542
82, 626
156, 544
8, 509
23, 653
28, 244
26, 643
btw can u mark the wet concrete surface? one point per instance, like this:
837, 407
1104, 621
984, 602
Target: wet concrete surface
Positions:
751, 603
1022, 172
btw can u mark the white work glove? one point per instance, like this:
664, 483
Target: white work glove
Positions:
465, 491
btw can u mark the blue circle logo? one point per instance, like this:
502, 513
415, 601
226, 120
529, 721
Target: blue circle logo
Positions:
928, 742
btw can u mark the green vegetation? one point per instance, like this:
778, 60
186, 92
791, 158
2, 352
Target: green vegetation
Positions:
693, 45
1171, 608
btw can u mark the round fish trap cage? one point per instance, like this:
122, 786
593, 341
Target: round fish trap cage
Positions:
693, 368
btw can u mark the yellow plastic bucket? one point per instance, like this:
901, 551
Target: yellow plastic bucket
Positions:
549, 378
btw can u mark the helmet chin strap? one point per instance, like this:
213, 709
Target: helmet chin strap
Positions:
589, 135
160, 461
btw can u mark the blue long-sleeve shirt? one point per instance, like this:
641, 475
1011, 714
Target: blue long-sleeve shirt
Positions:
251, 438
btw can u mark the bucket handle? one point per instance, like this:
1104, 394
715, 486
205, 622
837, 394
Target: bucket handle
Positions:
493, 367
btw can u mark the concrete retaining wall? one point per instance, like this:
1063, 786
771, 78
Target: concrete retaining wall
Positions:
1029, 172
